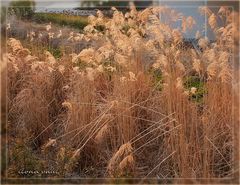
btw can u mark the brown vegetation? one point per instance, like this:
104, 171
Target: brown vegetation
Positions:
131, 105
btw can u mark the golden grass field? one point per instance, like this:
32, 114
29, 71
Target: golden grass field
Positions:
124, 101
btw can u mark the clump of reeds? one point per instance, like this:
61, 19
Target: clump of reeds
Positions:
137, 102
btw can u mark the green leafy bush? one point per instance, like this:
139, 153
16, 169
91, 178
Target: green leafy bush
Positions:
195, 81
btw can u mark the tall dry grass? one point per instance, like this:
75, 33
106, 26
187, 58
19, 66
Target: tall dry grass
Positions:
123, 107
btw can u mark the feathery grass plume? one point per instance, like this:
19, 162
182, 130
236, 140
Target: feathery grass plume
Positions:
210, 55
198, 35
110, 68
122, 60
76, 154
100, 14
133, 12
74, 57
15, 45
60, 34
123, 79
197, 66
193, 90
73, 161
40, 35
177, 36
30, 59
51, 35
87, 55
62, 159
8, 27
212, 21
221, 30
37, 66
32, 34
224, 57
50, 143
23, 53
88, 29
66, 87
193, 54
132, 76
203, 42
179, 83
212, 69
50, 69
190, 22
144, 15
15, 67
156, 65
154, 20
104, 53
92, 20
61, 69
68, 105
186, 93
90, 73
71, 35
118, 19
124, 150
163, 61
49, 26
204, 10
184, 24
225, 73
100, 69
49, 58
180, 67
126, 164
102, 133
78, 37
61, 154
114, 103
222, 10
76, 69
